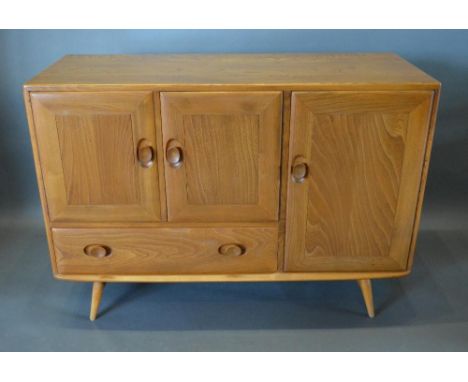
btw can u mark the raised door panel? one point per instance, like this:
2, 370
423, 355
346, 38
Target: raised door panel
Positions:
356, 162
98, 155
222, 155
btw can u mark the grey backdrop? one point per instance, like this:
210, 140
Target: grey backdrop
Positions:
27, 291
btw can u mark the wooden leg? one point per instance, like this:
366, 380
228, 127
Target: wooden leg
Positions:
366, 290
96, 299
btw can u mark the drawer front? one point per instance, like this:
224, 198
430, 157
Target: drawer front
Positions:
222, 155
149, 251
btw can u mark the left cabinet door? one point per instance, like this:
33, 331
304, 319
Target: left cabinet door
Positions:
97, 153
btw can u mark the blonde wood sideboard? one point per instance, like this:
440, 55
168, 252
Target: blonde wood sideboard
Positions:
262, 167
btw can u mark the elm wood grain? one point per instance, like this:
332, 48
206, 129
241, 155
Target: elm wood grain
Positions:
366, 290
208, 72
87, 145
244, 277
96, 296
365, 151
166, 250
222, 155
97, 157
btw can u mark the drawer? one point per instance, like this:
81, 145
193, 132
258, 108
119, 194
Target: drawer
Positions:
133, 251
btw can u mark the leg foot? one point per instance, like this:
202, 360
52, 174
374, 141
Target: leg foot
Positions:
366, 290
96, 299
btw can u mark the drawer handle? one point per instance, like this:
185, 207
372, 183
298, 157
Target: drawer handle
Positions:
232, 250
300, 170
97, 250
174, 154
145, 153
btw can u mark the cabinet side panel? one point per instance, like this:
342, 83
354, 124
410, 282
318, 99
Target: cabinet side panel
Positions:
40, 181
425, 169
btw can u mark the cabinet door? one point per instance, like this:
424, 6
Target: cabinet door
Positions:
97, 153
222, 155
355, 162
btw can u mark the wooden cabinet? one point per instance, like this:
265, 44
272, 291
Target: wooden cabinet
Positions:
231, 167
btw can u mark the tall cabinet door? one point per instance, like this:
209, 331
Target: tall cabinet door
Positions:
98, 154
356, 160
222, 155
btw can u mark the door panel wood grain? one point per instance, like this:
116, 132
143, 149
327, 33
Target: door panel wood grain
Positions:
227, 159
88, 146
363, 153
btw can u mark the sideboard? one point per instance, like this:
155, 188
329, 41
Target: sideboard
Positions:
231, 167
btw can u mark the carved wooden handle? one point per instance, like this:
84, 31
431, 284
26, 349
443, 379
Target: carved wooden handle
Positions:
145, 153
232, 250
299, 170
174, 154
97, 250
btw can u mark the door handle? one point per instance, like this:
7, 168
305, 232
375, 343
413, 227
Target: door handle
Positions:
299, 170
145, 153
97, 250
174, 154
232, 250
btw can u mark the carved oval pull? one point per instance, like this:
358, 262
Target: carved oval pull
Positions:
145, 153
232, 250
300, 170
174, 154
97, 250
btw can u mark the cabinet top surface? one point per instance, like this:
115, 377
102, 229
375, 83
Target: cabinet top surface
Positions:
286, 71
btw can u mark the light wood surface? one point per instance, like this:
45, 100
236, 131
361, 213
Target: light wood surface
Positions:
425, 170
87, 147
225, 149
364, 151
366, 290
96, 296
167, 250
39, 178
189, 72
244, 277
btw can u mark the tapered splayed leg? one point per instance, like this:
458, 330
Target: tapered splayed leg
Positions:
366, 290
96, 299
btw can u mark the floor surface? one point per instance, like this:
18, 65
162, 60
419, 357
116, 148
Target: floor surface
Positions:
426, 311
